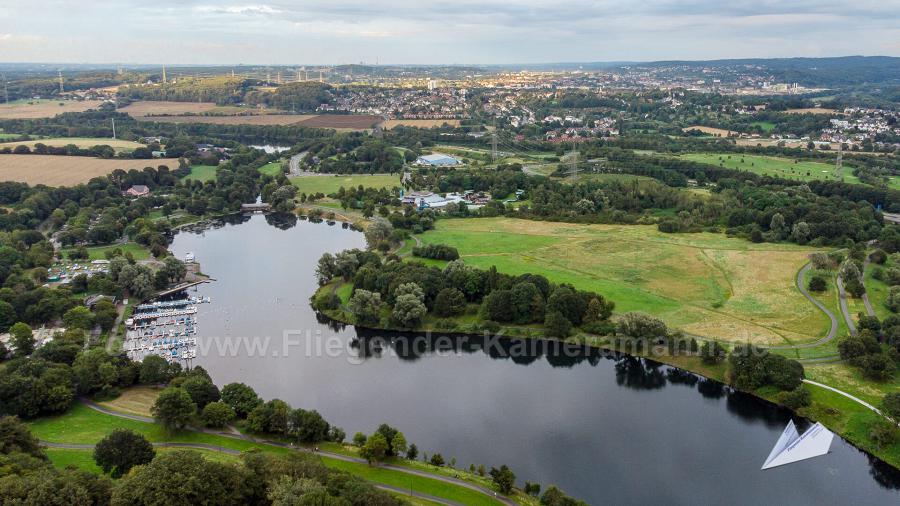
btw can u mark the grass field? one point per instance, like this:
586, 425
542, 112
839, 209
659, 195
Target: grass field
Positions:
81, 142
153, 108
201, 173
33, 109
718, 132
780, 167
271, 168
331, 184
82, 425
99, 252
342, 121
134, 400
420, 123
67, 170
706, 284
765, 126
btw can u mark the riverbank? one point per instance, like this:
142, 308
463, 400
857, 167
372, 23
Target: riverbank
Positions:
849, 419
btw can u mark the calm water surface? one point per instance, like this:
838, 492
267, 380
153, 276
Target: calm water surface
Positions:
606, 428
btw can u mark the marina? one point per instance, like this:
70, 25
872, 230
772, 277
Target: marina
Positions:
164, 328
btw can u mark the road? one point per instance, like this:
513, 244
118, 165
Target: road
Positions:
832, 332
346, 458
865, 297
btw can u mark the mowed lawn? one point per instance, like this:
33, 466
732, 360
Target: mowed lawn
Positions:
331, 184
202, 173
81, 142
705, 284
138, 251
786, 168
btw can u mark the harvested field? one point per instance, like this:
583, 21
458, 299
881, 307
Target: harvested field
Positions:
259, 119
420, 123
152, 108
67, 170
81, 142
45, 108
718, 132
813, 110
345, 121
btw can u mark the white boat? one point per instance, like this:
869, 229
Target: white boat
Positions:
792, 447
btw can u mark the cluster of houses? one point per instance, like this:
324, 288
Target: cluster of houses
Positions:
417, 103
431, 200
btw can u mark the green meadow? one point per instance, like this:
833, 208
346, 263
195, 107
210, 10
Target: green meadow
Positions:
331, 184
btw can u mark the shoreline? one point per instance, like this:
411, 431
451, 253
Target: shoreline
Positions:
684, 362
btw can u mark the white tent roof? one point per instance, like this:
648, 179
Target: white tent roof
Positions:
792, 447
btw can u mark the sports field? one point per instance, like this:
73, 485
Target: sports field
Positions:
706, 284
44, 108
53, 170
81, 142
331, 184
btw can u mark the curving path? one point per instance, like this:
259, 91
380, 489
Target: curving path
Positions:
832, 332
865, 296
845, 394
230, 451
842, 295
346, 458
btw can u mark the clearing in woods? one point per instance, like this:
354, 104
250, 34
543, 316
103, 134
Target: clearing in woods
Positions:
705, 284
53, 170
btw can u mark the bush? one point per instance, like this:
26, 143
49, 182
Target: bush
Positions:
817, 283
217, 414
711, 352
796, 398
437, 460
327, 300
884, 433
557, 325
449, 302
890, 405
121, 450
436, 252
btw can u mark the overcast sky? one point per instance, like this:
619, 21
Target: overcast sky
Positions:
439, 31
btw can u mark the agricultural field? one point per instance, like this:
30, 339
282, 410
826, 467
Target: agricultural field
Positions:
342, 121
331, 184
202, 173
718, 132
33, 109
419, 123
705, 284
256, 119
162, 108
82, 142
68, 170
813, 110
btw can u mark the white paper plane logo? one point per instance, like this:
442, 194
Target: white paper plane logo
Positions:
792, 447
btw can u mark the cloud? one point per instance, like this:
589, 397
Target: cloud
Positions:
440, 31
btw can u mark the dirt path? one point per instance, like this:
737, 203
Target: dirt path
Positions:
337, 456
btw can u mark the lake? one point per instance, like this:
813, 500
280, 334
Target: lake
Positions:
604, 427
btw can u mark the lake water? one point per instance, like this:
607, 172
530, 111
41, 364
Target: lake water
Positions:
606, 428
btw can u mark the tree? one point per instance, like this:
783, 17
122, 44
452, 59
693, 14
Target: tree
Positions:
121, 450
22, 338
711, 352
437, 460
378, 231
308, 426
796, 398
154, 370
16, 438
642, 326
449, 302
7, 315
78, 317
893, 299
217, 414
366, 306
359, 439
375, 448
201, 389
408, 309
174, 408
412, 452
198, 481
241, 398
398, 444
325, 269
337, 434
557, 325
817, 283
503, 478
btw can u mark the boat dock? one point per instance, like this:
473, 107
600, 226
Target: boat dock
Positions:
164, 328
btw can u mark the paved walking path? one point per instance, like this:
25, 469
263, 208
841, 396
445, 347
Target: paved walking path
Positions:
845, 394
230, 451
337, 456
842, 295
832, 332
